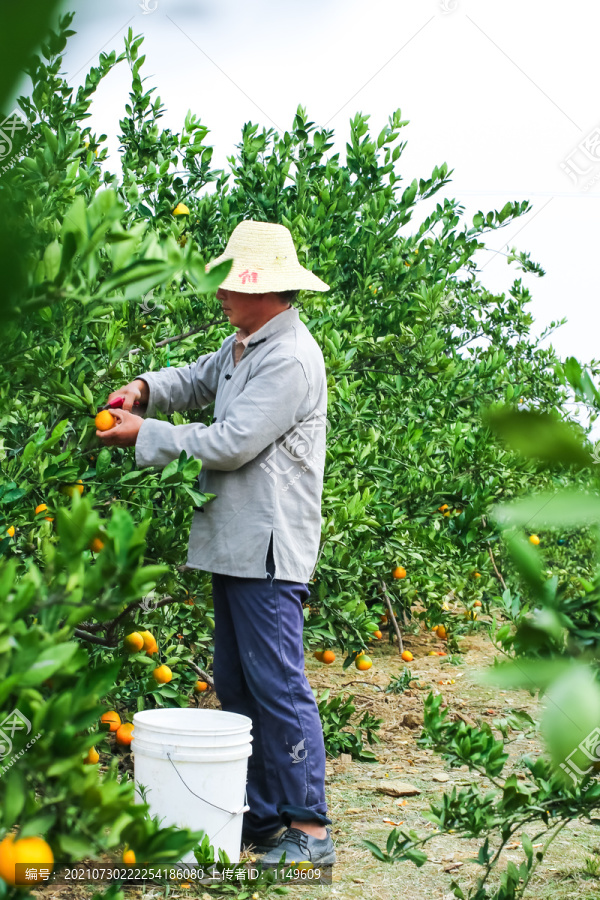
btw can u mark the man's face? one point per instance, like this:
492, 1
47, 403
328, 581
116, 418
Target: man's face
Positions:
236, 306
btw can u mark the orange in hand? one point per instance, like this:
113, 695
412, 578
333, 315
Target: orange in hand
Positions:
105, 420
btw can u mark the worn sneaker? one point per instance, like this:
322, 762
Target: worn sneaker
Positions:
261, 843
298, 846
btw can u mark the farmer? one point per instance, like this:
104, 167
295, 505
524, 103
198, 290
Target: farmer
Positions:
263, 458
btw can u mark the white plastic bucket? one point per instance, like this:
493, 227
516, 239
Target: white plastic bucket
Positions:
193, 764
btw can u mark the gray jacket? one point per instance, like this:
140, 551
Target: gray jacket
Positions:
263, 456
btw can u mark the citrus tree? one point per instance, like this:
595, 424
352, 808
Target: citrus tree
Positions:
109, 281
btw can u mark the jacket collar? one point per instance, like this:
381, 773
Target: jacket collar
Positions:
281, 322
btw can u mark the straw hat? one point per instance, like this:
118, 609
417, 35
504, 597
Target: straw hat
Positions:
264, 259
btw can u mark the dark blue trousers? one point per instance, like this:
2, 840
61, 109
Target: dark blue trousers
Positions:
258, 671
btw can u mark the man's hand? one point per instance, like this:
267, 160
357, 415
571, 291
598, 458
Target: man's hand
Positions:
124, 432
135, 390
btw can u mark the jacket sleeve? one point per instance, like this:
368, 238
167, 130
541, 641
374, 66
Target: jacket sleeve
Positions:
184, 387
272, 402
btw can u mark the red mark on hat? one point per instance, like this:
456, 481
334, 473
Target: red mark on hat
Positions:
248, 276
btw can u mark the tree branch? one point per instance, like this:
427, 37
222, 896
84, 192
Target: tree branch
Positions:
388, 603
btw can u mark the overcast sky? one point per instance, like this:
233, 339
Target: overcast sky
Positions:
505, 93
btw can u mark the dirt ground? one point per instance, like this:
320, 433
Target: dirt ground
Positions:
360, 810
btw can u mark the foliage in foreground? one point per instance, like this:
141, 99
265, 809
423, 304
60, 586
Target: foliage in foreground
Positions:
552, 648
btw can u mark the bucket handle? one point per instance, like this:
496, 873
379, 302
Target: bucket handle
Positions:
243, 808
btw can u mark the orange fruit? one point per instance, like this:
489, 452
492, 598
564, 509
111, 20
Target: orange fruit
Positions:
470, 614
442, 653
105, 420
441, 632
328, 656
162, 674
363, 662
477, 603
113, 718
432, 653
181, 210
189, 602
124, 734
383, 619
399, 572
150, 645
318, 654
534, 539
96, 545
476, 575
407, 656
70, 489
133, 642
128, 857
377, 634
200, 687
33, 851
92, 757
10, 531
443, 507
41, 508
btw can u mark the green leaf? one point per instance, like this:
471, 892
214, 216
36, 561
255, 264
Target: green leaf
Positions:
48, 662
550, 509
14, 796
540, 436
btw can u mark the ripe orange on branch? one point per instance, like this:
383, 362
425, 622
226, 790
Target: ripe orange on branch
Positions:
111, 718
124, 734
162, 674
96, 545
133, 642
328, 657
150, 645
34, 851
42, 508
129, 857
200, 687
10, 531
92, 757
318, 654
399, 572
